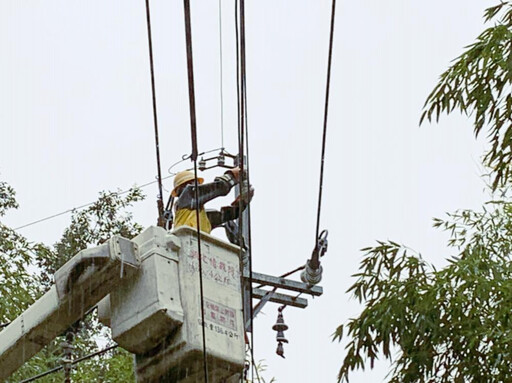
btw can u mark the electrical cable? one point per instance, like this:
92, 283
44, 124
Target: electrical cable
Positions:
245, 135
237, 76
240, 156
193, 156
160, 202
190, 71
241, 159
155, 120
221, 78
200, 261
186, 157
244, 150
171, 174
249, 226
85, 205
241, 163
95, 353
326, 112
58, 368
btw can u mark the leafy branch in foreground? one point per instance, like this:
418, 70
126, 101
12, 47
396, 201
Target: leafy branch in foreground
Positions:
17, 287
479, 84
20, 287
92, 226
447, 325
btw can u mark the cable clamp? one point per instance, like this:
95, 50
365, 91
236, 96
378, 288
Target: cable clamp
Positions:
312, 273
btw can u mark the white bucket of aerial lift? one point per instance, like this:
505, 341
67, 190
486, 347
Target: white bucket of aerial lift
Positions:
143, 310
157, 314
80, 284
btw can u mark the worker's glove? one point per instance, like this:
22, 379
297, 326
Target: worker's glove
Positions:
235, 172
246, 192
228, 178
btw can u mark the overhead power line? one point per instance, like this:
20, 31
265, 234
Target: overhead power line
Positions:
85, 205
326, 112
172, 174
160, 202
58, 368
243, 155
193, 156
221, 78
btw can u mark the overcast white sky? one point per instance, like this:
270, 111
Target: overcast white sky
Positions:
75, 118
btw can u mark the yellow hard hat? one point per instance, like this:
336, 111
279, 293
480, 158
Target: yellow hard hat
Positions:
184, 177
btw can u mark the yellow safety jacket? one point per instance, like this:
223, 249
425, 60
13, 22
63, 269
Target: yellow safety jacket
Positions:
185, 213
187, 217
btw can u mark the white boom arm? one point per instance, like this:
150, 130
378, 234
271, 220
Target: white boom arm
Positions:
81, 283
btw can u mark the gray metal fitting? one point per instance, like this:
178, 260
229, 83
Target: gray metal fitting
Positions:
310, 275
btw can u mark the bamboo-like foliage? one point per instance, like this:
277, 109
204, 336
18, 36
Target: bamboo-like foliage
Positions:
478, 84
452, 324
447, 325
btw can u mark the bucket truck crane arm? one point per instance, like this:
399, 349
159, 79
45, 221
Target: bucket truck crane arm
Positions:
79, 285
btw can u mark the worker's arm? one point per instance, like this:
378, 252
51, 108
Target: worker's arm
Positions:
229, 213
206, 192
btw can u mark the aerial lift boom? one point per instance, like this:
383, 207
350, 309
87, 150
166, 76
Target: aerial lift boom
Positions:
147, 292
79, 285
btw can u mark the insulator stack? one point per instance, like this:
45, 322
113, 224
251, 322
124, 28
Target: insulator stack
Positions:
280, 327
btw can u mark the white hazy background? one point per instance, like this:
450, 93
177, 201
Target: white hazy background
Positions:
76, 118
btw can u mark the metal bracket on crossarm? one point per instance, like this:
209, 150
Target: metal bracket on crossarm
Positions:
265, 296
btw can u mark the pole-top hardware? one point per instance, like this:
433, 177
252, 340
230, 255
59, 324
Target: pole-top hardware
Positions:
220, 161
312, 273
280, 327
202, 164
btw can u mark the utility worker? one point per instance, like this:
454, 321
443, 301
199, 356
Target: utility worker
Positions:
185, 207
